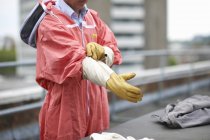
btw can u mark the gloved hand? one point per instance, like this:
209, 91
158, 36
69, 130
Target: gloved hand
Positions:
95, 51
101, 74
118, 85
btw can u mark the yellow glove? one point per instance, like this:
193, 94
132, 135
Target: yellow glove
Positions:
95, 51
118, 85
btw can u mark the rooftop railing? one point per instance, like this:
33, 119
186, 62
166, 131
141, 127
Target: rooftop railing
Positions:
161, 74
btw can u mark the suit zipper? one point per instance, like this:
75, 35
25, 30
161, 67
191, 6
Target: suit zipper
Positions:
87, 91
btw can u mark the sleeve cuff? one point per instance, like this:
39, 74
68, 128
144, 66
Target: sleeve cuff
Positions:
109, 59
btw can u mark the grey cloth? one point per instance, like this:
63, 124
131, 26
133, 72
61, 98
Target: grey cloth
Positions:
192, 111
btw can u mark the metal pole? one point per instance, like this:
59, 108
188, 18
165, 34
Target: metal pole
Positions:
20, 108
162, 74
17, 63
190, 78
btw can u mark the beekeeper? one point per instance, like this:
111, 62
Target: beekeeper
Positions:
75, 50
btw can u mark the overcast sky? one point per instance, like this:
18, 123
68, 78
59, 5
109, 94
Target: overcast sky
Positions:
186, 18
9, 17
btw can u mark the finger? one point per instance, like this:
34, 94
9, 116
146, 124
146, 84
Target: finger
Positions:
136, 97
141, 93
127, 76
97, 52
94, 56
100, 53
132, 100
88, 49
132, 89
136, 91
133, 95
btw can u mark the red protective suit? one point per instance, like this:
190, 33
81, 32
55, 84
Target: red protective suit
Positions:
73, 107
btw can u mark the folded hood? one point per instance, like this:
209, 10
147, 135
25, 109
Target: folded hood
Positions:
30, 25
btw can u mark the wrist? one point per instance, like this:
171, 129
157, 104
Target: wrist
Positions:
109, 55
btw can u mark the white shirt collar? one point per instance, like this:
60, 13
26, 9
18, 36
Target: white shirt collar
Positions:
60, 4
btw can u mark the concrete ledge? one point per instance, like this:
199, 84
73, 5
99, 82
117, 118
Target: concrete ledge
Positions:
168, 73
19, 95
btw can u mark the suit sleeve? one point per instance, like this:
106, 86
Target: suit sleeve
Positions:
107, 38
59, 55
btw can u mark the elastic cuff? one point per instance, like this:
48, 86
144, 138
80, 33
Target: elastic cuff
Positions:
109, 56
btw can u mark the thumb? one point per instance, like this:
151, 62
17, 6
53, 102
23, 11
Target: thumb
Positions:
127, 76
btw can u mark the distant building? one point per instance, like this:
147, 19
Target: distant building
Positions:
25, 7
24, 52
138, 25
155, 29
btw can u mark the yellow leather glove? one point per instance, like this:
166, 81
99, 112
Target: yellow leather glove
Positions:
95, 51
118, 85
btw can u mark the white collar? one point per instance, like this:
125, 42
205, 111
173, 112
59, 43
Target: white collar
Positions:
61, 5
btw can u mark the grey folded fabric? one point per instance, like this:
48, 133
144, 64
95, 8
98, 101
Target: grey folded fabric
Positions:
192, 111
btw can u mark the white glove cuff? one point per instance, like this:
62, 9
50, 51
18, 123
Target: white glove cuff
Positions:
96, 71
110, 56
